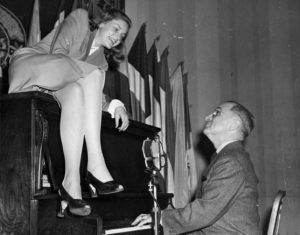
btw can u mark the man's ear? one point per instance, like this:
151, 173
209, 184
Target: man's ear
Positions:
234, 123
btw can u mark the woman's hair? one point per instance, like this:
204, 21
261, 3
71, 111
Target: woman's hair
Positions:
114, 55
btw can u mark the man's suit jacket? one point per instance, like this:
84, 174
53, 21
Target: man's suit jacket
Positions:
226, 202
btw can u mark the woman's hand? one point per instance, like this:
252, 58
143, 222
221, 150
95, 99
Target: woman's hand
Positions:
142, 219
120, 113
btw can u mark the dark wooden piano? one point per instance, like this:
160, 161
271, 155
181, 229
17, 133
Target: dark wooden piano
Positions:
31, 149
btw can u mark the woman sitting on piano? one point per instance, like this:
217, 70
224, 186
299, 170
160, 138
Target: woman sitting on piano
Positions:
70, 63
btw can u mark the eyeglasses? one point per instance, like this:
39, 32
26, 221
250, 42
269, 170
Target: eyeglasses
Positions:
216, 113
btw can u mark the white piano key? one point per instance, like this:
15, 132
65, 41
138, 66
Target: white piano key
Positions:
126, 229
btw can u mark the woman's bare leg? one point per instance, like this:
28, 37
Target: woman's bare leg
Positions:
92, 91
72, 133
81, 115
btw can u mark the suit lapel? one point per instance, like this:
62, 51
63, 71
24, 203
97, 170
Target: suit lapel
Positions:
216, 156
98, 59
89, 44
213, 158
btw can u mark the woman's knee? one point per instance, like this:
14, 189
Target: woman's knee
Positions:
97, 77
76, 90
98, 73
73, 93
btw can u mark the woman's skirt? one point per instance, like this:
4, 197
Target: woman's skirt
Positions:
29, 68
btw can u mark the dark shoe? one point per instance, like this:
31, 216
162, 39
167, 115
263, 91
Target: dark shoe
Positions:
75, 207
96, 187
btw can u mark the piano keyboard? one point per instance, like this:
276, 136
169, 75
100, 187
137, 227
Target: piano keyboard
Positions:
126, 229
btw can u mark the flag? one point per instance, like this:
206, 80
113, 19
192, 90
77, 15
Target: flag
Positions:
180, 165
60, 15
191, 161
117, 87
85, 4
184, 158
138, 77
187, 121
155, 118
154, 84
167, 121
126, 94
1, 75
35, 31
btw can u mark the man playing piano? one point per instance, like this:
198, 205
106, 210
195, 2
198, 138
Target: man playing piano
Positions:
226, 201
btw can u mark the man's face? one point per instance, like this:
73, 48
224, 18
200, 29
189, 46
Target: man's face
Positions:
218, 121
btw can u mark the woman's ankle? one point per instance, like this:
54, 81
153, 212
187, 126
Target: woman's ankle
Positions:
73, 188
101, 174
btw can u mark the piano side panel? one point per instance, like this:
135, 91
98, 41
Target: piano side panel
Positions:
21, 118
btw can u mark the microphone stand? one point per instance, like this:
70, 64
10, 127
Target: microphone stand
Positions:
154, 161
155, 211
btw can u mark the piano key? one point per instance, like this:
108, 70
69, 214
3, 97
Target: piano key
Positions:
126, 229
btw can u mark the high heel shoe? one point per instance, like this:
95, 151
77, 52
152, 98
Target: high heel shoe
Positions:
74, 207
96, 187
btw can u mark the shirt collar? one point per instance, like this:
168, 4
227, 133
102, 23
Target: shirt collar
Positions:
93, 47
224, 144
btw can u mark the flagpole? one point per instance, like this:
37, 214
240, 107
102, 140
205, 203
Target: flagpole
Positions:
35, 32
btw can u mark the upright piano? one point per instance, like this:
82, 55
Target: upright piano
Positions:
32, 168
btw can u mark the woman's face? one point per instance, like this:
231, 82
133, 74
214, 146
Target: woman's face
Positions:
111, 33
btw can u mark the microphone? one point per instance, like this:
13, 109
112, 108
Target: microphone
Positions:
153, 154
154, 160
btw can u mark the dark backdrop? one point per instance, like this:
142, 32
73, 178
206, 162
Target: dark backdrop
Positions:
48, 12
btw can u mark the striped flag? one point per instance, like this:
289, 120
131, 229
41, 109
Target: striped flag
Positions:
1, 81
123, 70
35, 31
184, 158
167, 121
187, 121
138, 77
154, 84
155, 118
87, 5
117, 87
191, 161
60, 16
